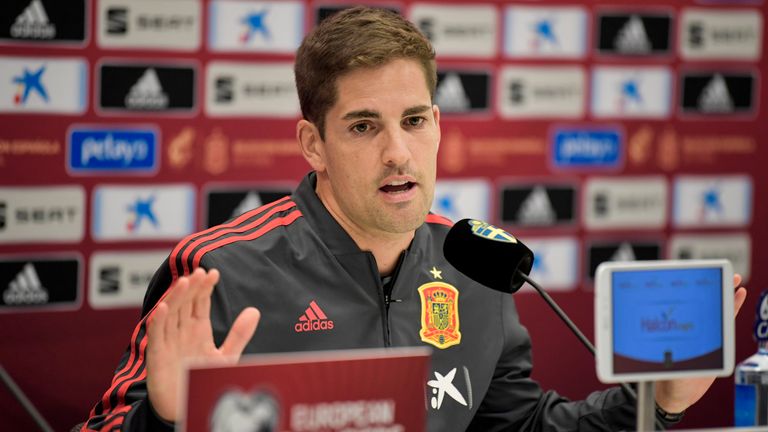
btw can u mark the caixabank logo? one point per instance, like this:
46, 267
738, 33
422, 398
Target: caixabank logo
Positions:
538, 204
43, 85
462, 198
39, 283
43, 21
463, 91
723, 93
633, 34
260, 26
157, 88
545, 32
226, 202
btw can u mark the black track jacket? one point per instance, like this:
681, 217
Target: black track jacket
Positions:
289, 257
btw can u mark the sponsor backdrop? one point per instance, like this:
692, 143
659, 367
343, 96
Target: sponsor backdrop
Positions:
592, 130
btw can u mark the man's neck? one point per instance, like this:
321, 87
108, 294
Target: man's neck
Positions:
386, 247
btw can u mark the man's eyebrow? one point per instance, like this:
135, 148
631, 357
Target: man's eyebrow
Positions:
416, 110
361, 114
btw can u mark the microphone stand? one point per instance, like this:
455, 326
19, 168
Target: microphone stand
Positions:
19, 395
645, 403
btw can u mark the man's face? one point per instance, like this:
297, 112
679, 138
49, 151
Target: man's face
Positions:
380, 151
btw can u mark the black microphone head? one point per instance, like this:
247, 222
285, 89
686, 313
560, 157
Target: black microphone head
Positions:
487, 254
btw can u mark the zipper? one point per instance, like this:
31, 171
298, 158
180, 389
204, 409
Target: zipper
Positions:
386, 298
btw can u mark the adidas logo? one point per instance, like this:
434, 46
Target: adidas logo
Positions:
715, 97
147, 93
450, 95
632, 38
33, 23
251, 201
313, 319
624, 253
537, 209
25, 288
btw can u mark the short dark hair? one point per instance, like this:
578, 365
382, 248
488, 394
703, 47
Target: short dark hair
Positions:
355, 38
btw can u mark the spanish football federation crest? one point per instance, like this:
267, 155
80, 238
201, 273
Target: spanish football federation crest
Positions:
439, 314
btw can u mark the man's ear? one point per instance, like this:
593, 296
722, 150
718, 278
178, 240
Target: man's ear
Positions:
436, 115
312, 146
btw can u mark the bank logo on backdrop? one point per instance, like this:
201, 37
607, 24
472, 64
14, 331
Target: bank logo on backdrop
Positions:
542, 92
555, 263
718, 93
538, 205
39, 283
43, 85
625, 202
146, 212
118, 150
627, 250
458, 30
43, 21
734, 247
587, 148
460, 199
251, 89
460, 92
42, 214
223, 204
633, 34
704, 201
256, 26
733, 34
545, 32
120, 279
631, 92
149, 24
139, 88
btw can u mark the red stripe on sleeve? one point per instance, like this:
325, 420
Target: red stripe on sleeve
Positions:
434, 218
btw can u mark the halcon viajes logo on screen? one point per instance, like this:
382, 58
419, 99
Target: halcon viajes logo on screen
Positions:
118, 150
43, 21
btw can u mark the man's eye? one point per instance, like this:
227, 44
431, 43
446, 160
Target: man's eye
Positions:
360, 127
414, 121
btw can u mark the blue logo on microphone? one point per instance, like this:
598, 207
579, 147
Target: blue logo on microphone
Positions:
761, 320
486, 230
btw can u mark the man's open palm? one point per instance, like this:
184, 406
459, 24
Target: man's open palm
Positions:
180, 329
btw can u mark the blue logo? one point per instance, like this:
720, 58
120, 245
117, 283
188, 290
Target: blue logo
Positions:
711, 203
254, 23
141, 209
29, 81
544, 34
761, 319
585, 148
119, 150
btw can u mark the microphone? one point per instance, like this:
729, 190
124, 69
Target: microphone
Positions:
488, 255
495, 258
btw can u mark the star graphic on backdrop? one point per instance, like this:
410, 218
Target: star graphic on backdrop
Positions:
436, 273
255, 24
28, 82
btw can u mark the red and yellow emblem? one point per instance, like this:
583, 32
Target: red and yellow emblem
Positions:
439, 314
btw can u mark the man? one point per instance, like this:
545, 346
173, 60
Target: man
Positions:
357, 244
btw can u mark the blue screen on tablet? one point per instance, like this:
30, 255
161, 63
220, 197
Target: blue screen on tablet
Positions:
667, 320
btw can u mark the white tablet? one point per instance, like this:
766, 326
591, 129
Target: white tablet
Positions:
658, 320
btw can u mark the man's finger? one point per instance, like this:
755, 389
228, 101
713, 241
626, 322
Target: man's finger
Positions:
186, 300
201, 308
241, 332
156, 326
736, 280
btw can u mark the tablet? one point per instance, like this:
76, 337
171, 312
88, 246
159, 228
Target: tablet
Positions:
659, 320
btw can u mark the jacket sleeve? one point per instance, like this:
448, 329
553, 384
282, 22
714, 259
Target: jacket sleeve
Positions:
125, 405
515, 402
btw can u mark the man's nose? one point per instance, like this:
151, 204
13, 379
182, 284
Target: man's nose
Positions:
396, 151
